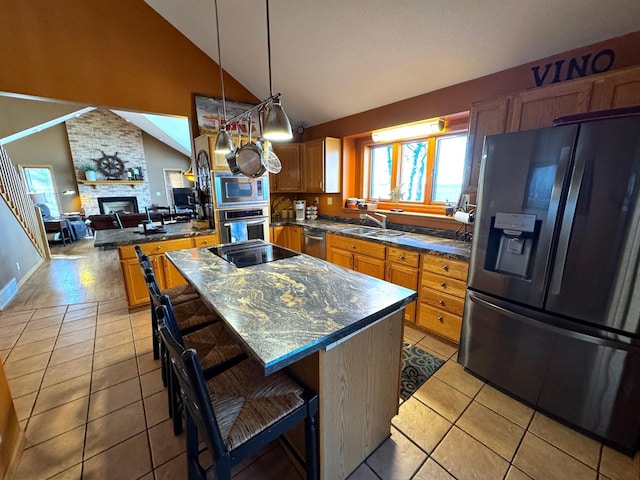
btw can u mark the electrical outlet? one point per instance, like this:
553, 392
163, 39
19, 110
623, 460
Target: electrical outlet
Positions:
329, 201
157, 194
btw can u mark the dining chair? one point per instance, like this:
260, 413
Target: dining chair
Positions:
238, 411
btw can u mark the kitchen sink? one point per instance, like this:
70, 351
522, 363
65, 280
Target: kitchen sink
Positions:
384, 233
360, 230
373, 232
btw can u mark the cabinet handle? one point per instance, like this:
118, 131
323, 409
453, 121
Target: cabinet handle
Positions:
443, 284
445, 267
157, 248
440, 319
441, 302
205, 242
401, 257
353, 246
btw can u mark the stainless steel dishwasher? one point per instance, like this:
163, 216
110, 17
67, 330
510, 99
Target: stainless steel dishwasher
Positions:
314, 242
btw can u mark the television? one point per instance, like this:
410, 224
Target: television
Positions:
182, 197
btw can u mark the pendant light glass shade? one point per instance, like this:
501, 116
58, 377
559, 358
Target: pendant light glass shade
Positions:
189, 175
224, 143
277, 126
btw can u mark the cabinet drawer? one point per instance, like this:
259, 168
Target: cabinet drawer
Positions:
205, 241
444, 284
152, 248
397, 255
440, 322
442, 300
445, 266
371, 249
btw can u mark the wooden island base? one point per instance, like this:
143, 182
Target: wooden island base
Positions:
358, 384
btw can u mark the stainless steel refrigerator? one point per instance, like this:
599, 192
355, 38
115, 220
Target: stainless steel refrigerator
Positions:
552, 310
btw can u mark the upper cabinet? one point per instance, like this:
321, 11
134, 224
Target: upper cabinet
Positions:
616, 90
217, 161
321, 166
537, 108
290, 177
486, 118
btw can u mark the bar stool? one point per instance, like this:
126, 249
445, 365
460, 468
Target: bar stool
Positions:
215, 345
179, 293
238, 411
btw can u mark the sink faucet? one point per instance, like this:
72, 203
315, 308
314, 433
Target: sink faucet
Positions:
382, 222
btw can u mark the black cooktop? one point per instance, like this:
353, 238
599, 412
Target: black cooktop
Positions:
252, 252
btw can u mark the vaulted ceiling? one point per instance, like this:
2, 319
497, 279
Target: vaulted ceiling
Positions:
333, 58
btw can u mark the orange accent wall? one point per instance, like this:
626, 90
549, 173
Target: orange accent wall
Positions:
115, 53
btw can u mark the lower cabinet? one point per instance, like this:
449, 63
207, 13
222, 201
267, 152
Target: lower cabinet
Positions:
288, 236
441, 296
166, 274
402, 269
359, 255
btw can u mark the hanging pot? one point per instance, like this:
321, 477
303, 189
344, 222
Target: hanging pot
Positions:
248, 158
231, 156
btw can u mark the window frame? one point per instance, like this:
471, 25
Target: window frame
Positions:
419, 207
52, 195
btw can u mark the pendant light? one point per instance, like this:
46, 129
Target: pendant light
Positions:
224, 143
277, 126
189, 175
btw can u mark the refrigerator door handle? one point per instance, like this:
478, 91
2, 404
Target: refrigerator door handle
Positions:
567, 224
559, 327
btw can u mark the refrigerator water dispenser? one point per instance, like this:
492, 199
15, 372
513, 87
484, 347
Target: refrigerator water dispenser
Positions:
511, 243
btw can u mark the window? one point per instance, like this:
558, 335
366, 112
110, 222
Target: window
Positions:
41, 187
428, 171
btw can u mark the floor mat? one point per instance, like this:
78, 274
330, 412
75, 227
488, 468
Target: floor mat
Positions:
417, 367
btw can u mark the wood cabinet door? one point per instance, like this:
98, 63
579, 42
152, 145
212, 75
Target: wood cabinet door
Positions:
172, 277
538, 108
485, 118
405, 277
134, 283
313, 166
294, 237
290, 177
369, 266
617, 90
278, 236
341, 257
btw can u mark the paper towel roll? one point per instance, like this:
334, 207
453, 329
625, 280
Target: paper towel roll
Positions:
463, 217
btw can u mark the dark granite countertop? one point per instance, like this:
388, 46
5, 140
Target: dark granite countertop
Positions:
408, 240
290, 308
131, 236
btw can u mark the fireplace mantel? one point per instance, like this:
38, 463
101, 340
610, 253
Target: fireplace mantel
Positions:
95, 184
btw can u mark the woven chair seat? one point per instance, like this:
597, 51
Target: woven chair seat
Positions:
193, 314
246, 402
181, 293
213, 344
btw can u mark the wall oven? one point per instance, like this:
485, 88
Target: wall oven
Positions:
240, 224
235, 190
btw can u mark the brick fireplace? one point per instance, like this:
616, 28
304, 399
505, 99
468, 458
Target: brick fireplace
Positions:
103, 131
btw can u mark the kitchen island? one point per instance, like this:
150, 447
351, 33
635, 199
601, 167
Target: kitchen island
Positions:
335, 330
175, 236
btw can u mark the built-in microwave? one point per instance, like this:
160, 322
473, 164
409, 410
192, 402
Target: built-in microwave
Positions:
237, 190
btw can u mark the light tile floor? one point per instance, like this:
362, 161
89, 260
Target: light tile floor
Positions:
90, 398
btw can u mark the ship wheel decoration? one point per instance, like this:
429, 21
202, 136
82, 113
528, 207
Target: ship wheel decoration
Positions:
111, 166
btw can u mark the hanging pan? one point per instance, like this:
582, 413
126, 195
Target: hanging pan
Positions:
231, 156
249, 158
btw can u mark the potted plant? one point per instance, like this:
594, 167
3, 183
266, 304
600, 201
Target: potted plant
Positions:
89, 171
